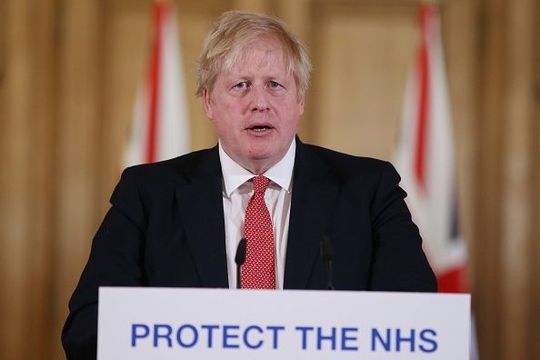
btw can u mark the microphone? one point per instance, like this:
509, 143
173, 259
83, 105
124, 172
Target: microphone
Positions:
240, 259
327, 254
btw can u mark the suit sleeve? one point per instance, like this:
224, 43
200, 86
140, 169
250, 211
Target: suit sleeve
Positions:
115, 260
399, 261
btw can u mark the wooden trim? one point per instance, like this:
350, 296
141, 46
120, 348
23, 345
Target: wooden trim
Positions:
489, 182
517, 200
41, 257
534, 254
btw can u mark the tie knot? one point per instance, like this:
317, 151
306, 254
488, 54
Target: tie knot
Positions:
260, 183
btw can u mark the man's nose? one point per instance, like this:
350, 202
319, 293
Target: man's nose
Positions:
259, 99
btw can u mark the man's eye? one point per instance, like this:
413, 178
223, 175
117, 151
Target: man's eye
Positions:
241, 85
274, 85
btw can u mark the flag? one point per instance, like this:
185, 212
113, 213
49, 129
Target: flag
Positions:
426, 161
160, 125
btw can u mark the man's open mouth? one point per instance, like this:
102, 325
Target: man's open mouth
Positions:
260, 128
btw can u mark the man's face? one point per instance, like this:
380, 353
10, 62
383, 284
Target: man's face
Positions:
254, 106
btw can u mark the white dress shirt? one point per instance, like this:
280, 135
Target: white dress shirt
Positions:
237, 190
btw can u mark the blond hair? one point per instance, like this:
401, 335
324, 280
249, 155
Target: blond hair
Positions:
233, 32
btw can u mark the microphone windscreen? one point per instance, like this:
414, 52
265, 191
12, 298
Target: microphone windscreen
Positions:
240, 257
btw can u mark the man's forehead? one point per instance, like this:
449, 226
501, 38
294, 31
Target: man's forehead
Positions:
270, 48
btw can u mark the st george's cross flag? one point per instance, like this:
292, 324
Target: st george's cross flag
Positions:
160, 124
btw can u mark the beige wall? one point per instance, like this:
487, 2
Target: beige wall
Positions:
68, 75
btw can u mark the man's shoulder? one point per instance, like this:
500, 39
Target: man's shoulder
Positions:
355, 173
346, 162
174, 168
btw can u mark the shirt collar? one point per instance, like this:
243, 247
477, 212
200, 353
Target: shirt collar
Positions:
235, 175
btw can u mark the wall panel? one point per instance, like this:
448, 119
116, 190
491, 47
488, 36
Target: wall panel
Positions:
77, 165
27, 127
43, 119
362, 54
505, 179
15, 175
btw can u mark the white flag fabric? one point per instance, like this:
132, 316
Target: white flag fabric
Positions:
160, 124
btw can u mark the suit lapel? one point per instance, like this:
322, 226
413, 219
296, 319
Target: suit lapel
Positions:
200, 204
313, 201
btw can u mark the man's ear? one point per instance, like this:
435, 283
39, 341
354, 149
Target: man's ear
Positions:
207, 104
301, 103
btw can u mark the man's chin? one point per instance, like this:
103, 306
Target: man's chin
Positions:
260, 162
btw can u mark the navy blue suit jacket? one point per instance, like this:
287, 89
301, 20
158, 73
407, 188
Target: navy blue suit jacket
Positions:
166, 228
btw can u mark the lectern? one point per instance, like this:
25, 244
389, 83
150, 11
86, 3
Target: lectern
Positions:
173, 323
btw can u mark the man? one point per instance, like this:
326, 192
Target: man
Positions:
178, 222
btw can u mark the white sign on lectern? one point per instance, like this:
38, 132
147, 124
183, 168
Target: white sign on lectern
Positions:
196, 324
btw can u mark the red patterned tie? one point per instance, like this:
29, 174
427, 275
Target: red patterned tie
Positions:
259, 270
